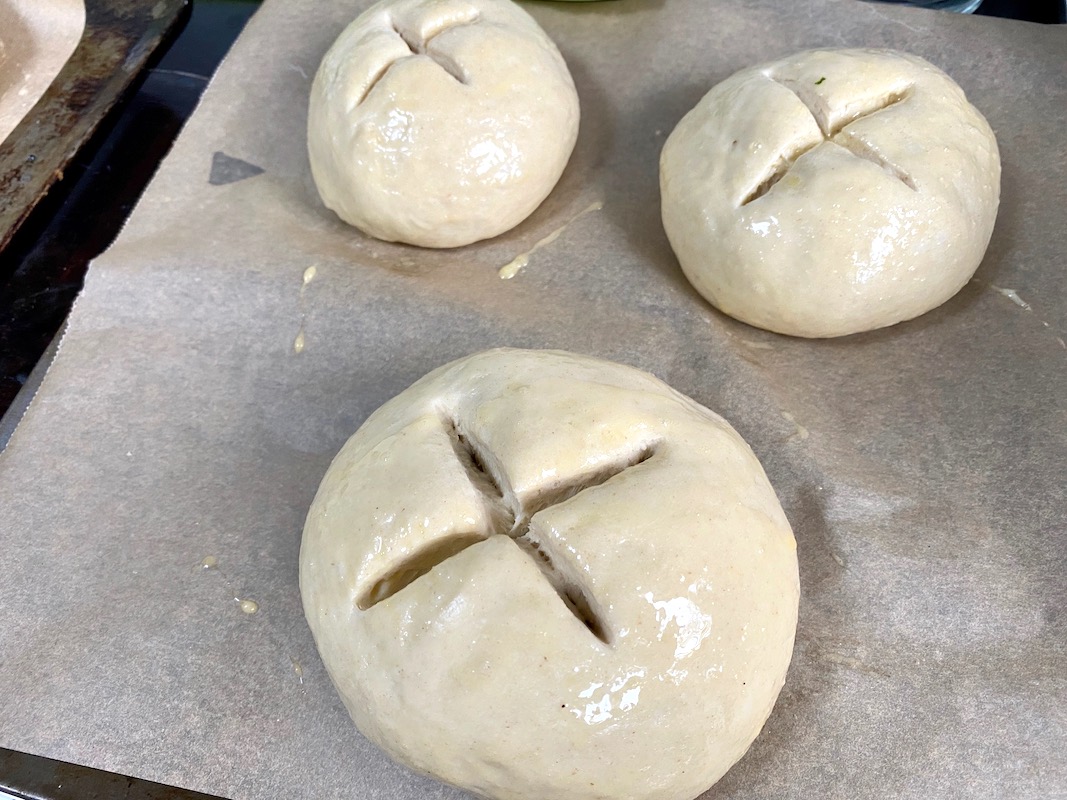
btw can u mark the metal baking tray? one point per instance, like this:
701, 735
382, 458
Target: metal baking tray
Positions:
116, 45
25, 777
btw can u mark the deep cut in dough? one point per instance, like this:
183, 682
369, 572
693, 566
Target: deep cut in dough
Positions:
630, 643
831, 192
440, 122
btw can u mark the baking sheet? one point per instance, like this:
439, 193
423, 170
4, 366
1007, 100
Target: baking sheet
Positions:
36, 39
118, 38
922, 466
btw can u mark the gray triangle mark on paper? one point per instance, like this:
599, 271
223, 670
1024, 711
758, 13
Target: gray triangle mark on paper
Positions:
227, 169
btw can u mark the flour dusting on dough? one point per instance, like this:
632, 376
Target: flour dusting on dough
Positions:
513, 267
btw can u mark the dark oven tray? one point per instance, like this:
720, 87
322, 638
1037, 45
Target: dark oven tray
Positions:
118, 40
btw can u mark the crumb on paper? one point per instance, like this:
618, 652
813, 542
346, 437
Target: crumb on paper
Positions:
300, 342
800, 433
1012, 295
247, 606
513, 267
852, 663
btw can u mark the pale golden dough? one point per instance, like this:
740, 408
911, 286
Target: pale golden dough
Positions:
831, 192
440, 122
478, 672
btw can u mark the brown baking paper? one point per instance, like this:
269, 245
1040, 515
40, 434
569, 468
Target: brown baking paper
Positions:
36, 39
923, 466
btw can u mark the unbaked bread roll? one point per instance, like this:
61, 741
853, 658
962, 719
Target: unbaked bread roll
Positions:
440, 122
831, 192
540, 575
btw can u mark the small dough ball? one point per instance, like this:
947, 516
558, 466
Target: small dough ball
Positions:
540, 575
832, 192
440, 122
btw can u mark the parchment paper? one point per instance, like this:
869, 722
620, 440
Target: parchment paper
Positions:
922, 466
36, 39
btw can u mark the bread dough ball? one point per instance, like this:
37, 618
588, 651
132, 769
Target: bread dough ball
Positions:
831, 192
540, 575
440, 122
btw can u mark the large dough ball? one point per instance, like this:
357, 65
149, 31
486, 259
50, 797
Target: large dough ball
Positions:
832, 192
540, 575
440, 122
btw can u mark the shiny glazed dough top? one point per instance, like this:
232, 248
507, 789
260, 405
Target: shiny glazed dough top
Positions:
440, 122
831, 192
535, 574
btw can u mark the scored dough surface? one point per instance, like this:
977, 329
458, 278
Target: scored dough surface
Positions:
831, 192
535, 574
440, 122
